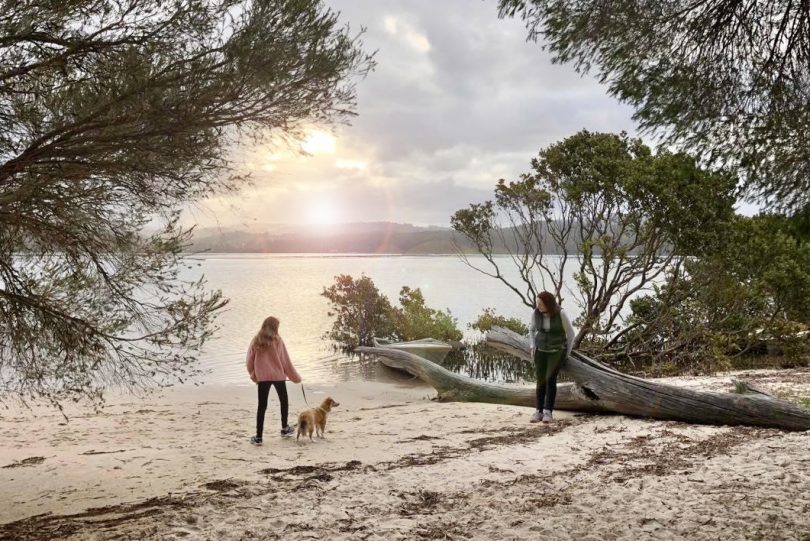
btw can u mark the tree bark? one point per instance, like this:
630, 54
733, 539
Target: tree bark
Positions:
629, 395
454, 387
599, 388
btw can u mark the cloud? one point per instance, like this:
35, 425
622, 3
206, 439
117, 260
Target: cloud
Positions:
458, 100
411, 36
351, 164
391, 25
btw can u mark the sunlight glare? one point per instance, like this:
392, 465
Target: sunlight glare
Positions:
319, 142
323, 213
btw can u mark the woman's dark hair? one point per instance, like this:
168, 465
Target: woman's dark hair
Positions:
549, 301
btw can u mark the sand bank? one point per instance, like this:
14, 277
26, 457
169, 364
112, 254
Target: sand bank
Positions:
396, 465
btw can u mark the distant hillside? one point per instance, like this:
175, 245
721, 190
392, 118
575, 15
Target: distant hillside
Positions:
365, 238
362, 238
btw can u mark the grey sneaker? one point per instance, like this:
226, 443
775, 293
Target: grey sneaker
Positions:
547, 418
536, 417
255, 441
287, 431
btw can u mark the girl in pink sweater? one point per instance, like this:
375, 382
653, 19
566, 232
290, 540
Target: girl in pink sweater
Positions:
268, 364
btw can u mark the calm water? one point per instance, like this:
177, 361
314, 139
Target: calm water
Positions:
289, 287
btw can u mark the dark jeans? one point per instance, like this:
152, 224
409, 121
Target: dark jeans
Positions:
264, 392
546, 367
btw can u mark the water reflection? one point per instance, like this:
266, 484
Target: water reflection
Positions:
481, 362
290, 288
365, 367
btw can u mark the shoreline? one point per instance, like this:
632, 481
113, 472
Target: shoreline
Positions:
396, 465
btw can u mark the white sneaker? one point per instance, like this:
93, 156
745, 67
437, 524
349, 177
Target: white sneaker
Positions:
547, 418
536, 417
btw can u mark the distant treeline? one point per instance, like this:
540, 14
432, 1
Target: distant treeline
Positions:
364, 238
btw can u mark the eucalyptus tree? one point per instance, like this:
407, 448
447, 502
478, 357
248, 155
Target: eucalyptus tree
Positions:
114, 114
606, 204
727, 80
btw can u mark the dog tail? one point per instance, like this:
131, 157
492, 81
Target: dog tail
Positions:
302, 424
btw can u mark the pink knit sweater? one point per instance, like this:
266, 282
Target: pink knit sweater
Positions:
271, 364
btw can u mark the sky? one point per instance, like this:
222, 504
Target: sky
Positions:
458, 100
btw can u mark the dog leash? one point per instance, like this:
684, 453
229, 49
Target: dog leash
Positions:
305, 394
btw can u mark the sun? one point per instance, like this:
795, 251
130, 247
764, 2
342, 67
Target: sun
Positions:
319, 142
323, 213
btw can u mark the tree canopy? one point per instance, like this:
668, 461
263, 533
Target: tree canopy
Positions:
727, 80
113, 116
623, 214
754, 289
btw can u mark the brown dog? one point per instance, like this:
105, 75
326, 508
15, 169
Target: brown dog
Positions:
314, 419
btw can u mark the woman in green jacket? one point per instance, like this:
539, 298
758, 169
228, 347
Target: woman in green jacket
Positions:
551, 337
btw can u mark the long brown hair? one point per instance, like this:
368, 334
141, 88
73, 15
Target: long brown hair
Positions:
549, 301
267, 334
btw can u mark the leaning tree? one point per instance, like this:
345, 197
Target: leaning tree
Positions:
113, 116
597, 388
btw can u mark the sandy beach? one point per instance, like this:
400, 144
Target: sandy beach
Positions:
397, 465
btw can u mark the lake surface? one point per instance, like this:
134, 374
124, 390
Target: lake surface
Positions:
289, 287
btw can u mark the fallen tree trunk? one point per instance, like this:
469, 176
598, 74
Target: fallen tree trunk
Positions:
629, 395
600, 389
454, 387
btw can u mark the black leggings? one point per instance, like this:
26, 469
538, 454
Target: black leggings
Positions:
264, 392
547, 366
